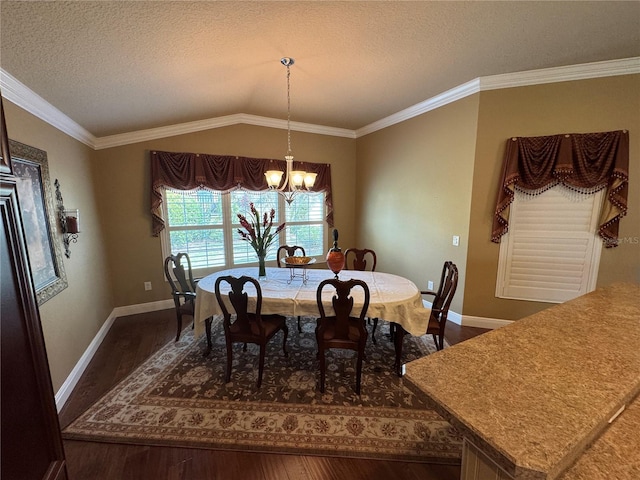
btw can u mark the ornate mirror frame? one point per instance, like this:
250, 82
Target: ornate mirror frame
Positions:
31, 168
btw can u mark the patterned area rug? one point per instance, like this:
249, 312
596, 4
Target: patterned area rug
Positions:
179, 398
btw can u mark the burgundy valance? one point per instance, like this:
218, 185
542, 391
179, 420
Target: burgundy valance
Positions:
189, 171
585, 162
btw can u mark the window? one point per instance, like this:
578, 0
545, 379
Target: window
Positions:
204, 224
551, 252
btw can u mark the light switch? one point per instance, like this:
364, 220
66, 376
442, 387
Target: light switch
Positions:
456, 240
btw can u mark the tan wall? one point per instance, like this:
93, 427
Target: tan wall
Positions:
417, 184
426, 179
123, 189
414, 193
71, 319
594, 105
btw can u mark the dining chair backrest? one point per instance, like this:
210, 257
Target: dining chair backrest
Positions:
441, 302
288, 251
446, 291
359, 258
342, 304
239, 300
183, 287
182, 279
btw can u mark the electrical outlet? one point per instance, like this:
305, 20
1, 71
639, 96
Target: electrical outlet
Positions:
456, 240
430, 285
147, 285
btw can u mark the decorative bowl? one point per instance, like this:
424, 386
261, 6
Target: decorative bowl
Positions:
297, 260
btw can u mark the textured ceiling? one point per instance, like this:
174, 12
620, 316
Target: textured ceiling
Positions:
121, 66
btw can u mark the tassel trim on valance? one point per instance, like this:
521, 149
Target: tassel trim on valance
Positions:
585, 163
192, 171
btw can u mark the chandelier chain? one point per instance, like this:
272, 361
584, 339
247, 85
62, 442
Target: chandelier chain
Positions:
288, 110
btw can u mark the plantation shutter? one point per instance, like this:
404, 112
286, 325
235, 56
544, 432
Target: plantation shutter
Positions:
551, 252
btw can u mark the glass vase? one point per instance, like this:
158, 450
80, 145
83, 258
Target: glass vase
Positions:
262, 269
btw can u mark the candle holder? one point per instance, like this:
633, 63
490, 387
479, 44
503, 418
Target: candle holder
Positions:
69, 222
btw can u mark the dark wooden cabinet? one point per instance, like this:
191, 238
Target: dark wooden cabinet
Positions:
30, 442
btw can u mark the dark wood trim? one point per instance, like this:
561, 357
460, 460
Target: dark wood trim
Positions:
31, 446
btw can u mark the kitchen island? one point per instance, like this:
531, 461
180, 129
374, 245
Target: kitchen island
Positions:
531, 398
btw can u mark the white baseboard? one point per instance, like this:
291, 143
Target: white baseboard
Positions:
63, 394
142, 308
470, 321
483, 322
455, 318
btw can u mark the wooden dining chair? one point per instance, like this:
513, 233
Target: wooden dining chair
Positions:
289, 251
341, 330
247, 327
439, 311
183, 287
358, 259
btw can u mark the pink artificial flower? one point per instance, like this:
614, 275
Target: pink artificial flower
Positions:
258, 231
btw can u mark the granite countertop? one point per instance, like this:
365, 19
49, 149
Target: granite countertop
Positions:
535, 394
615, 454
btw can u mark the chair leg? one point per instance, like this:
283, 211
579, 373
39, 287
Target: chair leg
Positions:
179, 317
261, 364
207, 329
229, 355
317, 337
399, 334
373, 330
435, 341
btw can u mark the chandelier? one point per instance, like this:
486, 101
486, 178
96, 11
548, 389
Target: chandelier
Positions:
295, 180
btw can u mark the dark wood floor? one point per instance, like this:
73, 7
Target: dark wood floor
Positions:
134, 338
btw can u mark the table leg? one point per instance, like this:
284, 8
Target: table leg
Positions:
398, 337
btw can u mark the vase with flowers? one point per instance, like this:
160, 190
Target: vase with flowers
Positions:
259, 233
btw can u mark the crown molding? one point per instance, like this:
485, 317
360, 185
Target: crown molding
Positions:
14, 91
19, 94
440, 100
218, 122
297, 126
608, 68
162, 132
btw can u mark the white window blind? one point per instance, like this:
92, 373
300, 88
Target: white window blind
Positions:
551, 252
204, 224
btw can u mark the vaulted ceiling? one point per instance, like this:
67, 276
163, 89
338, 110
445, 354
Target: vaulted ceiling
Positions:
122, 66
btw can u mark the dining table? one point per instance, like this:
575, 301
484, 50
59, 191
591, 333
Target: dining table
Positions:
392, 298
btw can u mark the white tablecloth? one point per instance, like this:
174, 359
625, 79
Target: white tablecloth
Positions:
393, 298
